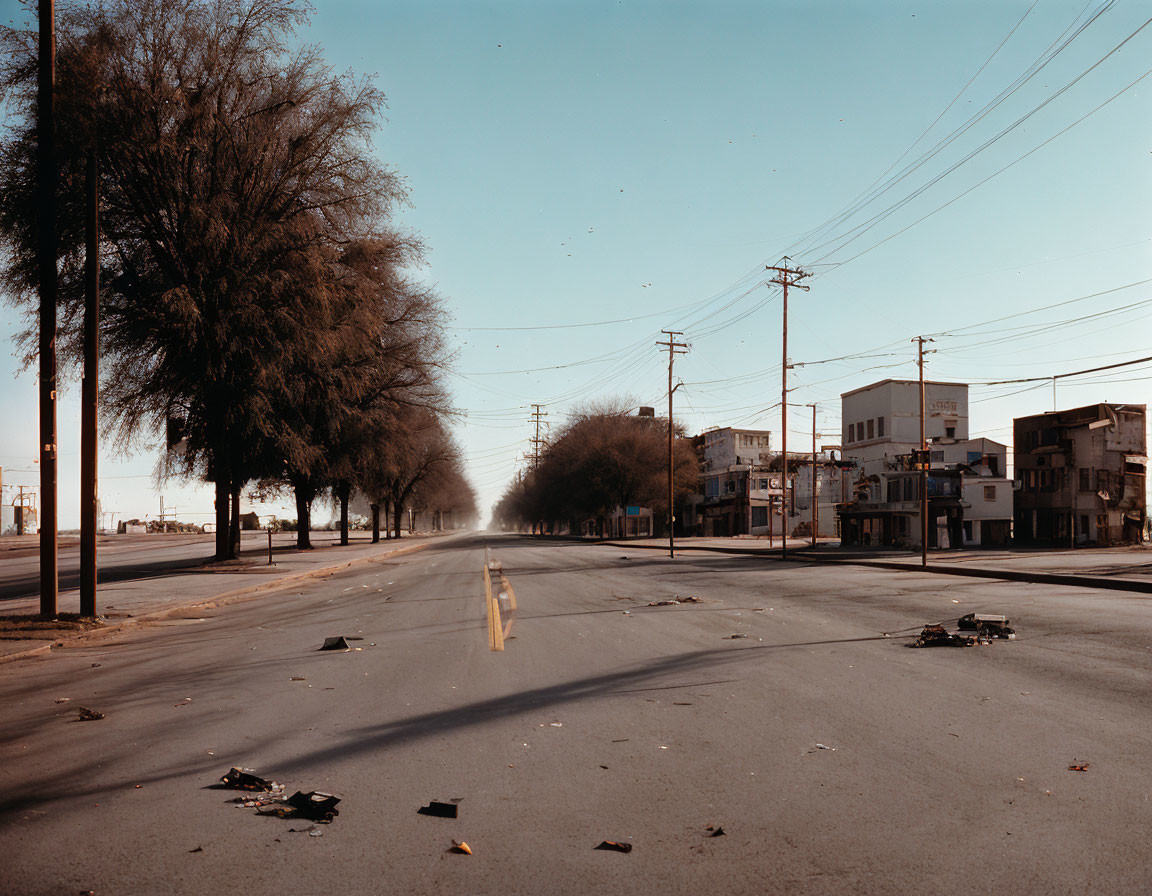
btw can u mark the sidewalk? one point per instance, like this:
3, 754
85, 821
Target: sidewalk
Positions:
1119, 568
128, 603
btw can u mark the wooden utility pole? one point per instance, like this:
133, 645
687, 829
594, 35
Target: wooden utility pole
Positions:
674, 348
785, 277
537, 442
89, 387
815, 482
920, 340
46, 263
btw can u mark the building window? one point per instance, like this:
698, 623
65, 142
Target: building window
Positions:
730, 487
763, 485
893, 490
1085, 479
871, 428
880, 427
950, 429
989, 493
851, 432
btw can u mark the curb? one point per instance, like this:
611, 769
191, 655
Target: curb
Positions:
238, 595
1038, 578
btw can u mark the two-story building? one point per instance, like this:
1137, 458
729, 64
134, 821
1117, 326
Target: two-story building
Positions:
1081, 475
968, 494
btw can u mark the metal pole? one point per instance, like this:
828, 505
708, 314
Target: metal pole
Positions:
749, 500
89, 389
46, 177
269, 544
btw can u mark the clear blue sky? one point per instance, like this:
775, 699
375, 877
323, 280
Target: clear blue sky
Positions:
584, 162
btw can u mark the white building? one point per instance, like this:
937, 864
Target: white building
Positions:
969, 496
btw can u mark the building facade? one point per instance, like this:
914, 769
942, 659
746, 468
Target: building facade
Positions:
1081, 475
968, 493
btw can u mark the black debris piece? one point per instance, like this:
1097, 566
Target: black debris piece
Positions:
972, 621
89, 715
938, 636
717, 832
986, 631
238, 779
337, 643
692, 600
314, 805
737, 636
197, 849
664, 603
439, 810
614, 846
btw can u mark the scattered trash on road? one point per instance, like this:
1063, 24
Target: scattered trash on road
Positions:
314, 806
736, 636
439, 810
716, 831
297, 678
1083, 767
614, 846
823, 747
337, 643
987, 626
938, 636
239, 779
89, 715
664, 603
627, 612
197, 849
459, 846
555, 724
62, 700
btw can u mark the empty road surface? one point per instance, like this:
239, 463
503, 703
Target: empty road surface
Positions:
836, 759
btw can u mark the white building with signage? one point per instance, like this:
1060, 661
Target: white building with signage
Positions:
969, 496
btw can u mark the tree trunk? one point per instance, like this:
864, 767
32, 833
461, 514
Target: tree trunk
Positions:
386, 510
375, 523
234, 528
397, 516
303, 520
221, 520
343, 492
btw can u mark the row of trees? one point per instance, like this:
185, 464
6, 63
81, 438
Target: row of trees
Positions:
603, 460
254, 288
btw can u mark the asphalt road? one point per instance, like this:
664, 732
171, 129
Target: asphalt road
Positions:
948, 773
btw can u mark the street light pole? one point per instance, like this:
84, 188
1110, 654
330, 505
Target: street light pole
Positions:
674, 348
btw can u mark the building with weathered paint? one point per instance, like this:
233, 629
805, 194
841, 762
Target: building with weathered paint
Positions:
1081, 475
968, 493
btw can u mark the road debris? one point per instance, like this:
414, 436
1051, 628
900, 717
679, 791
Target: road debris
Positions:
716, 831
556, 724
987, 626
938, 636
459, 846
297, 678
197, 849
62, 700
692, 599
339, 642
439, 810
664, 603
823, 747
89, 715
239, 779
1083, 767
736, 636
614, 846
314, 806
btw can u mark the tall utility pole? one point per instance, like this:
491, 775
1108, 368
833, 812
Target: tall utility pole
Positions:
46, 263
537, 442
785, 277
815, 482
674, 348
89, 394
920, 340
